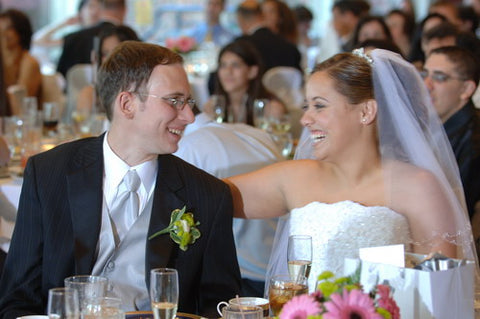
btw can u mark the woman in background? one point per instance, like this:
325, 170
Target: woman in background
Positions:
280, 19
239, 80
19, 67
371, 28
109, 38
401, 27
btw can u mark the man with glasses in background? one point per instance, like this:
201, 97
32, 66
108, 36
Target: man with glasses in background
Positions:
451, 75
71, 218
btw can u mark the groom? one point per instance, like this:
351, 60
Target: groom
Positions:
69, 222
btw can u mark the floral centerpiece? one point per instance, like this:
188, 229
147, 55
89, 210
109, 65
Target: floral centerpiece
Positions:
181, 45
342, 298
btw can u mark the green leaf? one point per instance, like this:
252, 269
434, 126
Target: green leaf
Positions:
384, 313
326, 275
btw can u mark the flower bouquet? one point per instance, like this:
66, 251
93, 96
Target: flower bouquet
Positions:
182, 44
342, 298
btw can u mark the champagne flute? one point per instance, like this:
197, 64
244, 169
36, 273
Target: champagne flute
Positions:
259, 119
219, 105
299, 255
63, 303
164, 292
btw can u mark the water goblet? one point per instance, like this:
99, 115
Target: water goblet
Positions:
242, 312
299, 255
164, 292
63, 303
219, 105
103, 308
88, 288
283, 288
284, 142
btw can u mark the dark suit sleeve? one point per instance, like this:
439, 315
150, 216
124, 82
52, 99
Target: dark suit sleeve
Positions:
20, 285
221, 275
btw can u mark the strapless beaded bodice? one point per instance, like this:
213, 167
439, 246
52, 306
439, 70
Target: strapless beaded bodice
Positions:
338, 230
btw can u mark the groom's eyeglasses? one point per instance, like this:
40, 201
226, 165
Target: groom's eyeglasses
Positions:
176, 102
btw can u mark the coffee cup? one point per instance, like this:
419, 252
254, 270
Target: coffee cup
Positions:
246, 303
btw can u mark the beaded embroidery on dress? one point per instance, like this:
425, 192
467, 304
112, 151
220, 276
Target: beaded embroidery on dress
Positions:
338, 230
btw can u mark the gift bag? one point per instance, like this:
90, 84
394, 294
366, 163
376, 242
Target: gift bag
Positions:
445, 294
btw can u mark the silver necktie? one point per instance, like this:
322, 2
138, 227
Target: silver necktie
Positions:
125, 210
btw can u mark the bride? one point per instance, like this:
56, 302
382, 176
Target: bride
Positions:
381, 170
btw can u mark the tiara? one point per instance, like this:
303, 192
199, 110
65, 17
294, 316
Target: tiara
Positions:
360, 52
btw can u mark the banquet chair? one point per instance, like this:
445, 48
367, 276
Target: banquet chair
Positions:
287, 84
78, 76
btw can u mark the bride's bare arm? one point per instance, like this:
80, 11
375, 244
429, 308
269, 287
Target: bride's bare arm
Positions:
260, 194
431, 215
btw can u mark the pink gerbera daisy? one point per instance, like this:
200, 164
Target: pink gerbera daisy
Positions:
353, 304
300, 307
387, 302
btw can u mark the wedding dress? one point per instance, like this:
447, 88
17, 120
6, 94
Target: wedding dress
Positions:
338, 230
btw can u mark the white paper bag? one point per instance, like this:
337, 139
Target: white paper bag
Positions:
421, 294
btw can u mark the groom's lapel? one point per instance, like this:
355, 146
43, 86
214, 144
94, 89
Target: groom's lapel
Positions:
168, 195
84, 183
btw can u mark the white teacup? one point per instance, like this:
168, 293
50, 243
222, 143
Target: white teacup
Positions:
246, 303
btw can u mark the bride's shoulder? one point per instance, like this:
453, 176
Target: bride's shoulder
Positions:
301, 167
411, 179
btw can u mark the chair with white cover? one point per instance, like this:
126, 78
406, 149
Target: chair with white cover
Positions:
287, 84
78, 76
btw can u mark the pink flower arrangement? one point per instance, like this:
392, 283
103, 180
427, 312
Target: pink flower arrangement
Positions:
342, 298
181, 45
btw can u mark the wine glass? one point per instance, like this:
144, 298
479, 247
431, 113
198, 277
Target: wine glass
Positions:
299, 255
88, 288
63, 303
219, 105
51, 116
259, 119
284, 142
164, 292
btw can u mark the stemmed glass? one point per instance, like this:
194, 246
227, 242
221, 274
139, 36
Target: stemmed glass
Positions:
259, 119
219, 105
63, 303
299, 255
164, 292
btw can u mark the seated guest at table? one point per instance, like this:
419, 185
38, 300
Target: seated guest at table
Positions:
371, 28
402, 27
280, 19
239, 80
20, 68
451, 75
223, 150
48, 41
71, 221
212, 30
375, 169
109, 38
274, 49
78, 46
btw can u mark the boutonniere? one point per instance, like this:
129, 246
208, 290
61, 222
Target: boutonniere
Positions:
182, 228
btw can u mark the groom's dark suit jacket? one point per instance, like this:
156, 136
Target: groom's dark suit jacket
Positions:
59, 219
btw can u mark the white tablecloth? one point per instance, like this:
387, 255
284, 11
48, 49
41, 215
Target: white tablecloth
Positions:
10, 189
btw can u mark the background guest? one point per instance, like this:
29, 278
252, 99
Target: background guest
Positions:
78, 46
443, 34
211, 30
239, 80
273, 48
402, 28
48, 41
109, 38
19, 66
417, 57
451, 75
280, 19
371, 27
468, 19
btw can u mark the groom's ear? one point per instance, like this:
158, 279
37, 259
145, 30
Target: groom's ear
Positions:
368, 112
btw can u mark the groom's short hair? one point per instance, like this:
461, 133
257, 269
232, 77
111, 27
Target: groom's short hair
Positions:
128, 69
